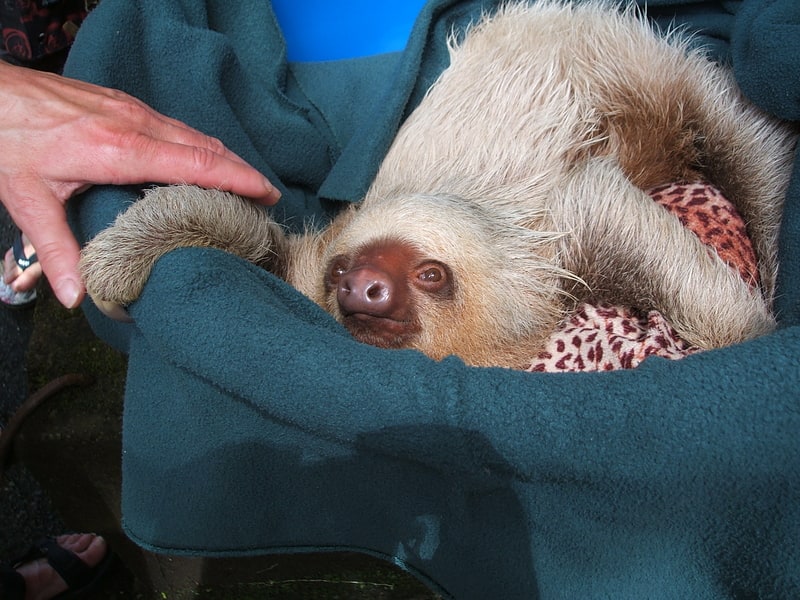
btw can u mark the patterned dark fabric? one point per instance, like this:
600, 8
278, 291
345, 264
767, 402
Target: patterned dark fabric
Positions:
33, 29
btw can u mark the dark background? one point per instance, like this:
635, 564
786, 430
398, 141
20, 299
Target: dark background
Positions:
25, 513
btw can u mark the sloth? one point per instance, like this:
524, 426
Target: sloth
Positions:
516, 189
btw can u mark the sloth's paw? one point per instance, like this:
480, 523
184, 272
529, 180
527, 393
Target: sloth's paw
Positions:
113, 272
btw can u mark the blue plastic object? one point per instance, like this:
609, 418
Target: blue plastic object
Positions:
319, 30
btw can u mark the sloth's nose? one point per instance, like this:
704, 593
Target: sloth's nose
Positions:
368, 291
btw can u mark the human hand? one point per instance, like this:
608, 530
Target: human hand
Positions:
59, 136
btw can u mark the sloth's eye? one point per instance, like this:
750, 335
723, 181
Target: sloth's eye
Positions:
435, 278
431, 275
336, 268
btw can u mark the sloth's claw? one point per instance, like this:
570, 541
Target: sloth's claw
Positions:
113, 311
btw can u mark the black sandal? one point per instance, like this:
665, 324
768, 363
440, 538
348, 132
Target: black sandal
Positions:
79, 577
18, 248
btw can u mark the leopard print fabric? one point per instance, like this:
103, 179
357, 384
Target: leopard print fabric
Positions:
706, 212
604, 337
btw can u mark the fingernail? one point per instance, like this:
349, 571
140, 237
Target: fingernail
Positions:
273, 193
68, 292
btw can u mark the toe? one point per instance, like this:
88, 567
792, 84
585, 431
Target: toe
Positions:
89, 547
27, 279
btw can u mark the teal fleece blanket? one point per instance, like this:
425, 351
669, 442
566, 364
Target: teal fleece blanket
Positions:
254, 424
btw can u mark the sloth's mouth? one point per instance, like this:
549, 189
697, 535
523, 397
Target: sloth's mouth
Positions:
383, 332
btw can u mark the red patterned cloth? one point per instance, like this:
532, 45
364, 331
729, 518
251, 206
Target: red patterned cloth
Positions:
706, 212
604, 337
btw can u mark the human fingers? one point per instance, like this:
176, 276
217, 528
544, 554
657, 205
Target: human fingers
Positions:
43, 220
10, 267
58, 254
22, 281
148, 146
198, 162
99, 135
179, 132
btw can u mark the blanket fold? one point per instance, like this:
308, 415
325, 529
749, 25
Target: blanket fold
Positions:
764, 48
253, 423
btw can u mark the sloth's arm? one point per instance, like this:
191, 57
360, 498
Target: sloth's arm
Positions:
630, 250
115, 265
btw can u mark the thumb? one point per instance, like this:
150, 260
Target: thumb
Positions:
45, 225
58, 253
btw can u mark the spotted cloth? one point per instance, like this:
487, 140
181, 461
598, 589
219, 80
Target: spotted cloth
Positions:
603, 337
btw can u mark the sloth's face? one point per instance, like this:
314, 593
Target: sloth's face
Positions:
379, 291
437, 274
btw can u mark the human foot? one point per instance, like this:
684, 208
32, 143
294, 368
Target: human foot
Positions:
42, 582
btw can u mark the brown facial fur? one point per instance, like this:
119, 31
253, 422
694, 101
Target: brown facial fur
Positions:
377, 291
